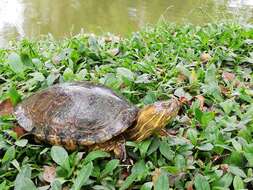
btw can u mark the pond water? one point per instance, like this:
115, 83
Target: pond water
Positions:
31, 18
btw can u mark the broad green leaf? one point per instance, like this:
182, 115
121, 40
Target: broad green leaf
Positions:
180, 161
166, 150
14, 95
129, 181
126, 73
3, 186
225, 181
68, 75
15, 63
143, 147
236, 145
56, 185
192, 135
109, 167
25, 184
210, 74
248, 153
82, 176
206, 147
59, 155
227, 106
38, 76
147, 186
162, 183
237, 171
21, 142
9, 154
26, 60
238, 183
139, 169
52, 77
201, 183
23, 180
95, 155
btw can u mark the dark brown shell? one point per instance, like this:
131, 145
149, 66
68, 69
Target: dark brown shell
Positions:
79, 113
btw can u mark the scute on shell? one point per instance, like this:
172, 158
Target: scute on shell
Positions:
79, 113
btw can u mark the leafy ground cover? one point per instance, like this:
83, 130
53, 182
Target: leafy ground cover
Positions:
211, 146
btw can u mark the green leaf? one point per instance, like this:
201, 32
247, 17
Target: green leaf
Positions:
21, 143
248, 153
14, 95
129, 181
82, 176
206, 147
52, 78
210, 74
109, 167
3, 186
236, 145
26, 60
201, 183
143, 147
59, 155
227, 106
149, 98
56, 185
192, 135
95, 155
166, 150
9, 155
162, 182
15, 63
238, 183
225, 181
139, 169
23, 181
237, 171
147, 186
126, 73
38, 76
68, 75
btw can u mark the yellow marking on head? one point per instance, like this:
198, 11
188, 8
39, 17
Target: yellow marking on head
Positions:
153, 118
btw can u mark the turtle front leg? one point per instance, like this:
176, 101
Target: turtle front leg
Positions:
115, 145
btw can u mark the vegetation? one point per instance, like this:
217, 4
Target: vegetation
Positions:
211, 141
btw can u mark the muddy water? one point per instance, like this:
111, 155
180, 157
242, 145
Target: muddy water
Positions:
31, 18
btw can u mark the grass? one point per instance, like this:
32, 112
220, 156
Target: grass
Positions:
212, 147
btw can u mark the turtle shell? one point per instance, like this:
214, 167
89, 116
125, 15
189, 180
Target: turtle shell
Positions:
73, 114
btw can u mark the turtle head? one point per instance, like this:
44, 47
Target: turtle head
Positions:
152, 118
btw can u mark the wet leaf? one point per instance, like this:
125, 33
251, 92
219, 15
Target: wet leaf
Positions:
82, 176
238, 183
201, 183
23, 180
206, 147
9, 154
237, 171
166, 150
147, 186
109, 167
59, 155
21, 142
15, 63
162, 182
126, 73
95, 155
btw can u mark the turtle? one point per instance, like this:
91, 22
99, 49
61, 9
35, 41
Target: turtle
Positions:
83, 114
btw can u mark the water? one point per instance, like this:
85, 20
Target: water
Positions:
31, 18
